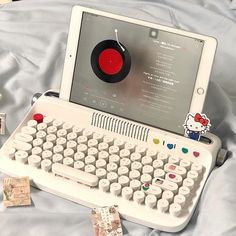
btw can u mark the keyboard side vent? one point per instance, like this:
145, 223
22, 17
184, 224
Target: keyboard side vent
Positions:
120, 126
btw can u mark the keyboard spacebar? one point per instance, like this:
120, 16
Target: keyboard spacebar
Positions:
74, 174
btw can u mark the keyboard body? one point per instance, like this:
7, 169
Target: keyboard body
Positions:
141, 135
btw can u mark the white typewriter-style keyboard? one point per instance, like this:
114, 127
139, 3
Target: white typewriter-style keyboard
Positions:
96, 168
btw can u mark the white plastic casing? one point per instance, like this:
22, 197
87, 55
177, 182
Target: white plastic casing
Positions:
91, 197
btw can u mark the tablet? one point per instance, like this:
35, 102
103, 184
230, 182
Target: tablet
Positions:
141, 71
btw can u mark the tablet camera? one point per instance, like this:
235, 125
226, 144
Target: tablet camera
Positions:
110, 61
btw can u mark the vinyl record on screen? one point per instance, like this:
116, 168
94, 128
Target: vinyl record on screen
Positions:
110, 61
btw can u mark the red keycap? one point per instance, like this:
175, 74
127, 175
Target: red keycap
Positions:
38, 117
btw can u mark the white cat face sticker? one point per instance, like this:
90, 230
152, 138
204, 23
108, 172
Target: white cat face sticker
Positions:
195, 125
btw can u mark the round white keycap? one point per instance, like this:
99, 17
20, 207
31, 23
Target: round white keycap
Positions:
125, 162
188, 183
21, 156
150, 201
52, 130
58, 149
175, 209
98, 136
174, 160
101, 173
136, 166
152, 189
10, 152
135, 184
139, 196
47, 154
123, 180
103, 147
37, 151
192, 174
88, 133
77, 130
82, 140
68, 161
57, 124
123, 170
61, 133
72, 136
93, 143
146, 160
51, 138
57, 158
108, 139
61, 141
104, 185
79, 156
157, 164
152, 153
103, 155
135, 157
197, 167
168, 195
79, 165
127, 193
112, 167
185, 163
119, 143
67, 127
32, 123
41, 134
134, 174
38, 142
185, 191
180, 199
163, 157
68, 152
48, 146
174, 178
113, 150
82, 148
140, 149
46, 165
72, 144
112, 177
147, 169
29, 130
48, 120
124, 153
162, 205
100, 163
114, 158
159, 173
90, 169
146, 178
130, 146
93, 151
34, 160
90, 160
115, 189
42, 126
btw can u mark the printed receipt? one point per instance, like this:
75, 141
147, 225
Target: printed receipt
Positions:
106, 221
16, 192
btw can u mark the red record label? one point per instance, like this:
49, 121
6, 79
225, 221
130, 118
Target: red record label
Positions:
110, 61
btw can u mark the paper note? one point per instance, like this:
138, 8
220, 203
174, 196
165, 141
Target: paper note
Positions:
16, 191
106, 221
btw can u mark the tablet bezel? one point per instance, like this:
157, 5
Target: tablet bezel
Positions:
205, 65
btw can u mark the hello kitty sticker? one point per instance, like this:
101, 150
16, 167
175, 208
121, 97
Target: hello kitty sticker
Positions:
196, 125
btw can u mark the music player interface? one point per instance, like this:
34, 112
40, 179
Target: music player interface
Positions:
135, 72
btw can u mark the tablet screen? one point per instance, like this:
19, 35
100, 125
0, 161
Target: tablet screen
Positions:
136, 72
